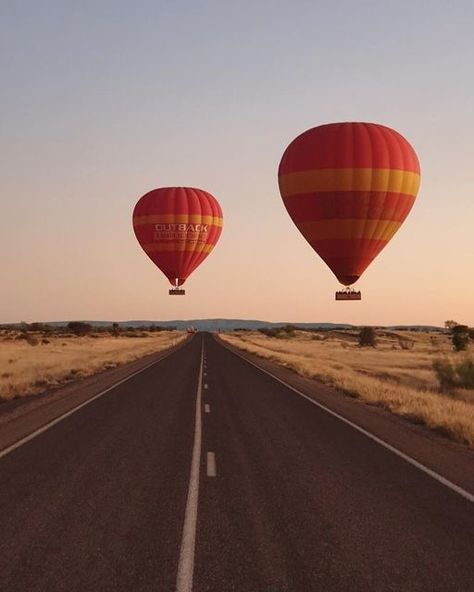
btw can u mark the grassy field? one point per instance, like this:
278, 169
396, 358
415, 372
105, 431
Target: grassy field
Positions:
397, 375
41, 362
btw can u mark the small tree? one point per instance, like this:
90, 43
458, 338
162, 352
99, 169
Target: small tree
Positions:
367, 337
450, 325
460, 337
115, 329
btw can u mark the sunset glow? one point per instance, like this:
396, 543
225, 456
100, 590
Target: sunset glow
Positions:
103, 102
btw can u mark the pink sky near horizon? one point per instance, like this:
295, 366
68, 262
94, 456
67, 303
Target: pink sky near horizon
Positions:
103, 104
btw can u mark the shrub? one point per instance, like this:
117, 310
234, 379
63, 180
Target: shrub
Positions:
279, 332
460, 337
465, 370
135, 334
454, 374
158, 328
79, 327
269, 331
43, 327
367, 337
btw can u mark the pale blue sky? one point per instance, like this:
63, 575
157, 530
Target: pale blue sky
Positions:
102, 101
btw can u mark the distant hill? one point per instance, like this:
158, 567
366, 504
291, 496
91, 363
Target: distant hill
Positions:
206, 324
232, 324
215, 325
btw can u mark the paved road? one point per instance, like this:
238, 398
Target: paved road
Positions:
288, 497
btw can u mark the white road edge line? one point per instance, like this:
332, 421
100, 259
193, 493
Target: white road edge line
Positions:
207, 408
211, 464
433, 474
184, 579
53, 422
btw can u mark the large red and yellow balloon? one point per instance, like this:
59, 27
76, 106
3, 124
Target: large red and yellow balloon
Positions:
348, 187
177, 228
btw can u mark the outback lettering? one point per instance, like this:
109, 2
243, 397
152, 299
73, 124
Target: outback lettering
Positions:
181, 227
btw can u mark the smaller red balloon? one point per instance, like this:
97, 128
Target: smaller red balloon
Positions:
177, 227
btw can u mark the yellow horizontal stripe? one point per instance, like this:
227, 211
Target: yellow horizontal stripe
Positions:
349, 228
177, 219
393, 180
191, 246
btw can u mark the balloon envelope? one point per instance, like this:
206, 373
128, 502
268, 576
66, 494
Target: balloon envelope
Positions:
177, 228
348, 187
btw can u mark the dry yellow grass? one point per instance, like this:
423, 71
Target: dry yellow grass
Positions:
402, 381
27, 369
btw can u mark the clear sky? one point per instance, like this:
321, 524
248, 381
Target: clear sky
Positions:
103, 101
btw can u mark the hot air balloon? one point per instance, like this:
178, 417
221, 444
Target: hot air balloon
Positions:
348, 187
177, 227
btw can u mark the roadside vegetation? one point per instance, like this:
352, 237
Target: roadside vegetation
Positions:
35, 358
419, 375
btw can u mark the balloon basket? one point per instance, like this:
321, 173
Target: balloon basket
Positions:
177, 292
348, 294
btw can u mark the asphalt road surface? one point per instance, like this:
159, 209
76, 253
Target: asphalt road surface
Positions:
203, 473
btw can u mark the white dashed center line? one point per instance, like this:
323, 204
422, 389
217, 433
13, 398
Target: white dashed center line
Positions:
211, 464
184, 580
